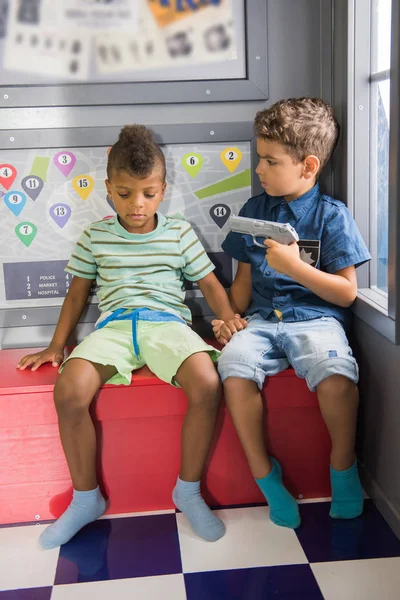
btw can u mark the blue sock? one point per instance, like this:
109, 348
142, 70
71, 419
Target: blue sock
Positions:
347, 494
204, 522
283, 507
84, 508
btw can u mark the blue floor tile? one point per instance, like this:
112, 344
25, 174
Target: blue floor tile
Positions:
28, 594
121, 548
283, 583
325, 539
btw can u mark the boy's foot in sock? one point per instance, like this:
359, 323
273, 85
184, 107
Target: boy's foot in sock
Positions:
84, 508
204, 522
347, 494
284, 510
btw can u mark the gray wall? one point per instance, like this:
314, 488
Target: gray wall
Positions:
379, 422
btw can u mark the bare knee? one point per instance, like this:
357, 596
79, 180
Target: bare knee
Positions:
230, 384
240, 387
337, 385
70, 399
205, 393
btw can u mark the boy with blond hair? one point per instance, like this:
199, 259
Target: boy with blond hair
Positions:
296, 300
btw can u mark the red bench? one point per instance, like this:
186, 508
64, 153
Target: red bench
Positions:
139, 444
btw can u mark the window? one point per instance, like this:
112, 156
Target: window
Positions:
379, 143
373, 142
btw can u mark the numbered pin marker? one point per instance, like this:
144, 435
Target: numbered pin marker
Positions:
231, 157
83, 185
33, 185
220, 214
65, 162
8, 174
192, 163
15, 202
110, 202
60, 213
26, 232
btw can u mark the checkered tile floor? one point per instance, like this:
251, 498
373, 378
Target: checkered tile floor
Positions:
156, 557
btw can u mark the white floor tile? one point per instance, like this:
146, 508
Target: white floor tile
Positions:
251, 540
359, 579
167, 587
22, 563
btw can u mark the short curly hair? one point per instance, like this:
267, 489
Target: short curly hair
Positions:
304, 126
136, 153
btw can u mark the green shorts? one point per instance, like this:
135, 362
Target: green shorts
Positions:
163, 347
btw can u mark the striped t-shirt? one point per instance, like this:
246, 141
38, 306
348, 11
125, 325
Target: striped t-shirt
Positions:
141, 270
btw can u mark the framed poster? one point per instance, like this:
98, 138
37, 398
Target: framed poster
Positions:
129, 51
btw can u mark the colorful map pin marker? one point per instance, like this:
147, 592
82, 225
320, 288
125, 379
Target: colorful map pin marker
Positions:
8, 174
83, 184
33, 185
220, 214
15, 202
65, 162
26, 232
231, 157
192, 163
110, 202
60, 213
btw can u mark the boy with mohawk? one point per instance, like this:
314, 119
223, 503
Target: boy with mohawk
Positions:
139, 259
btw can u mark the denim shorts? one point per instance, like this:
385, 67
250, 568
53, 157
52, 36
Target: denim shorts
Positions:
316, 349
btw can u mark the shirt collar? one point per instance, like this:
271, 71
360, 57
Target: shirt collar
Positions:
300, 205
142, 237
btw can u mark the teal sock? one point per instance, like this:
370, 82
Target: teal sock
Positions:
283, 507
204, 522
84, 508
347, 494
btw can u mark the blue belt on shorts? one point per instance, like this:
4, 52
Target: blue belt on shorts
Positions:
139, 314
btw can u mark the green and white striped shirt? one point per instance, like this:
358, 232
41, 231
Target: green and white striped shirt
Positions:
141, 270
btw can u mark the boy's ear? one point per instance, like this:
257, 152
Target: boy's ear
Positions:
108, 186
311, 166
164, 187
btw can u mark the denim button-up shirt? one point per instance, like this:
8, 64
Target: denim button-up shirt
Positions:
329, 241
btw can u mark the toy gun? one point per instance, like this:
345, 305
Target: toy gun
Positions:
280, 232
